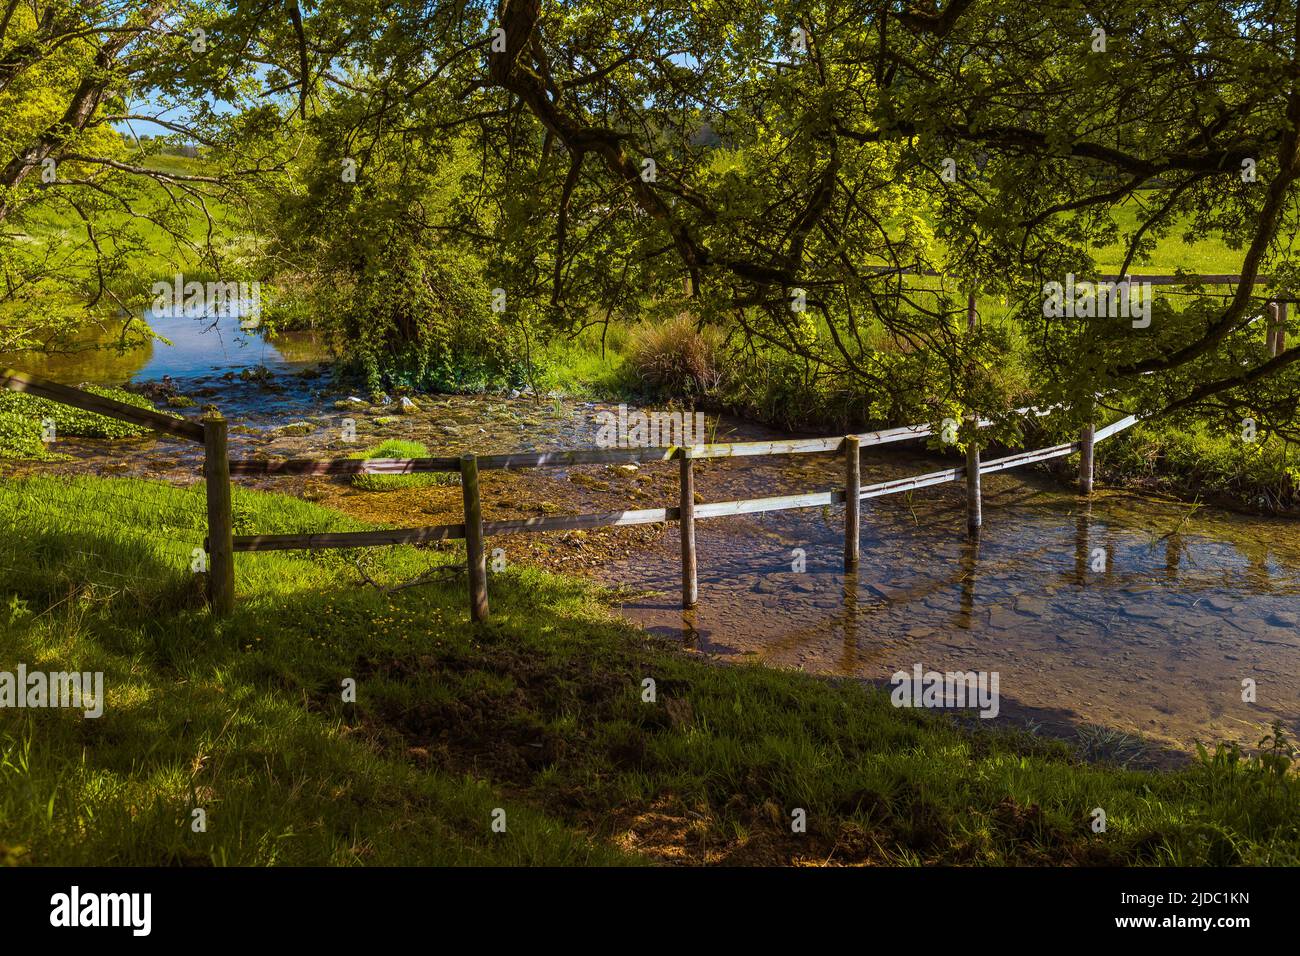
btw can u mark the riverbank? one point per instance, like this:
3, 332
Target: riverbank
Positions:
541, 713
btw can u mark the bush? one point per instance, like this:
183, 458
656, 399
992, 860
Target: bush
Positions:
20, 437
1264, 475
423, 321
398, 448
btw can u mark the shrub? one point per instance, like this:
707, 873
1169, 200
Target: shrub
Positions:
1264, 474
399, 448
422, 320
20, 437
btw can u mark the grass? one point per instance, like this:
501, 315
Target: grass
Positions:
1263, 474
398, 448
1173, 251
540, 712
583, 366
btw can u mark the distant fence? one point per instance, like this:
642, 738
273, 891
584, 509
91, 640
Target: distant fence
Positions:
1274, 325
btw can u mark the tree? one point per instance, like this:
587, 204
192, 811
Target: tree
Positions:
76, 77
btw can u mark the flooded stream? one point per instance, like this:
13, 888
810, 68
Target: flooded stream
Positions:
1125, 622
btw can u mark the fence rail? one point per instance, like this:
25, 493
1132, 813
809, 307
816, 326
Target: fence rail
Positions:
88, 401
854, 492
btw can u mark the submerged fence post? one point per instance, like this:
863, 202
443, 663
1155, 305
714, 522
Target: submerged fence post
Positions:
852, 500
1086, 442
221, 520
686, 522
474, 554
974, 505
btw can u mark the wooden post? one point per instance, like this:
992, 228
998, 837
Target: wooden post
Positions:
475, 556
1271, 326
852, 501
1279, 334
686, 516
221, 519
1085, 458
974, 504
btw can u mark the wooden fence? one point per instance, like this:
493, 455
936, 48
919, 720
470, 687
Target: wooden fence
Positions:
210, 433
473, 530
222, 544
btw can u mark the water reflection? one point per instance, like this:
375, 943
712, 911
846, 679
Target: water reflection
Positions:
970, 555
187, 347
849, 658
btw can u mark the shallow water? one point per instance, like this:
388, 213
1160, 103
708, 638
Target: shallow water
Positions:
1139, 615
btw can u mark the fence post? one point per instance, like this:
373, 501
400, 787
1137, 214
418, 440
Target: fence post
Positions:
221, 521
974, 505
686, 522
1279, 333
852, 500
474, 554
1086, 442
1270, 328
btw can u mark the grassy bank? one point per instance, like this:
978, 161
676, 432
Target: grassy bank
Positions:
539, 713
1196, 464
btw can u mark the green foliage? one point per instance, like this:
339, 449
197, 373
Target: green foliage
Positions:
398, 448
20, 437
69, 421
426, 324
1196, 461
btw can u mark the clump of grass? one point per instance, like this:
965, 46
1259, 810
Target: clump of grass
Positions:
675, 359
400, 448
